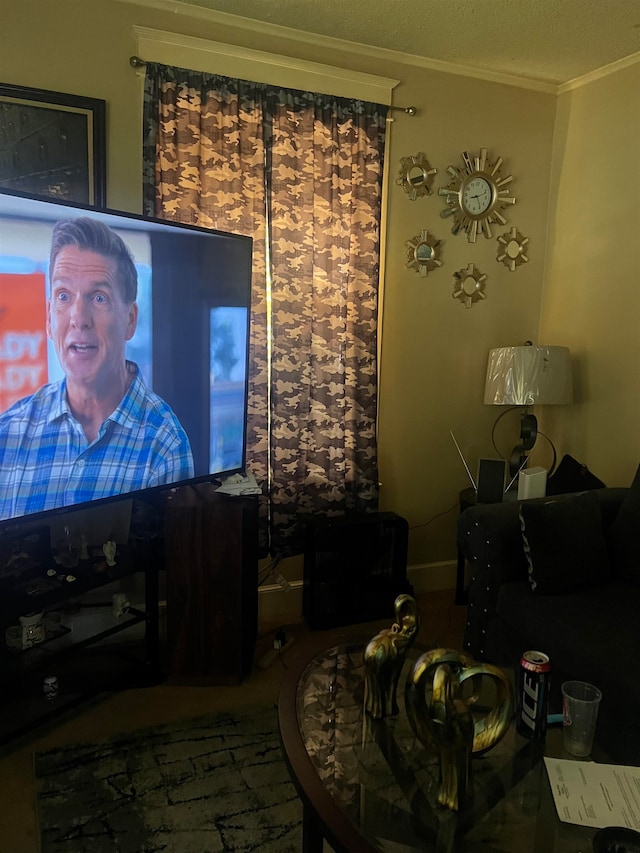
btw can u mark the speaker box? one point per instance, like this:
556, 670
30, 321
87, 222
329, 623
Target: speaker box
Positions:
211, 551
491, 480
355, 566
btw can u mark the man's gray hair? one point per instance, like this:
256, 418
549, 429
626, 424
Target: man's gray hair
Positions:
94, 236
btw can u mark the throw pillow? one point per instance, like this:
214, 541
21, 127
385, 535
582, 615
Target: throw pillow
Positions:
564, 543
572, 476
622, 536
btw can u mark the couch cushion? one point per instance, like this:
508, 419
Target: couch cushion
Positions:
623, 536
595, 624
564, 543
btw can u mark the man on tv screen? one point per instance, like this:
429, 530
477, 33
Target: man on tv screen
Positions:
99, 431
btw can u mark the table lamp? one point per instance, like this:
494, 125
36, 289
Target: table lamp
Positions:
527, 376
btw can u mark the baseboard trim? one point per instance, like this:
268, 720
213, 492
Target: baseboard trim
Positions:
278, 606
429, 577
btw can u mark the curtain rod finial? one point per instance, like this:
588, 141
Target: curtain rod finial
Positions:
136, 62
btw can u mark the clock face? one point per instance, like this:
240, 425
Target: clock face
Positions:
477, 196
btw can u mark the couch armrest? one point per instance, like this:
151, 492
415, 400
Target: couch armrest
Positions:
490, 539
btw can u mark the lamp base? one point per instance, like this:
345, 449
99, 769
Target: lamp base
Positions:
528, 434
517, 461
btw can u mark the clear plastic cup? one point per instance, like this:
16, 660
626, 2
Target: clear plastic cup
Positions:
580, 704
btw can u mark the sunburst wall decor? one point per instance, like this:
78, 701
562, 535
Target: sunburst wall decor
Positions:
468, 285
476, 195
422, 253
512, 248
416, 176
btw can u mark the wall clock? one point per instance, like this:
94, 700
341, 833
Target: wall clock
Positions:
468, 285
422, 253
512, 248
416, 176
476, 195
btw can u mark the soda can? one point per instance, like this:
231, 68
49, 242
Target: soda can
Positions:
533, 694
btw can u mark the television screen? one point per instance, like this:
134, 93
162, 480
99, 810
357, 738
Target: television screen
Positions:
123, 354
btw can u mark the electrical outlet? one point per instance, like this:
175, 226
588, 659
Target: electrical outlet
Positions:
273, 654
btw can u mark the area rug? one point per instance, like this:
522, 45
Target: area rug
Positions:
217, 784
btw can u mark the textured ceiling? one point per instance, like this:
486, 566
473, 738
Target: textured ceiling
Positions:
551, 41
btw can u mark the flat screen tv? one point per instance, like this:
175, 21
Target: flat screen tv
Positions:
180, 417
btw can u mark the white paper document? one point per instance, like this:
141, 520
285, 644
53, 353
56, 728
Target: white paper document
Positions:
595, 795
236, 484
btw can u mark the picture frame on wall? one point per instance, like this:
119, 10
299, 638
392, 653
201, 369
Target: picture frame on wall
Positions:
53, 144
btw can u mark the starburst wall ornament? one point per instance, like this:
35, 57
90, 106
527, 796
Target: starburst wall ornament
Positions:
476, 195
468, 285
422, 253
512, 249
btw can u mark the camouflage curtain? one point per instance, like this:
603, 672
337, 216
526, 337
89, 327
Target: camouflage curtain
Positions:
301, 173
204, 164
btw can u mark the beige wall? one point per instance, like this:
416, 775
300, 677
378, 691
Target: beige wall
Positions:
592, 291
433, 349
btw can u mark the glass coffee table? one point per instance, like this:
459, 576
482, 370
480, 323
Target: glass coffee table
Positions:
369, 786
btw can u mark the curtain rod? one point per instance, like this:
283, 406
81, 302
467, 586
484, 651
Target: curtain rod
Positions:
136, 62
410, 111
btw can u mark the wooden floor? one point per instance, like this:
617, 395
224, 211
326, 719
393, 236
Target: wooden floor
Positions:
442, 625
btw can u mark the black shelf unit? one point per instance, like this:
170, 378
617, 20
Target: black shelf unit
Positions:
86, 646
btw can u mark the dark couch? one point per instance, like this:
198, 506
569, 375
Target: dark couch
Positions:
562, 575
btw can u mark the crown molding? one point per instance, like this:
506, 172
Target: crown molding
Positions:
349, 47
355, 48
599, 73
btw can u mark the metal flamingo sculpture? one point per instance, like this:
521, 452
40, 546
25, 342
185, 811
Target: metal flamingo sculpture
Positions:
453, 727
443, 722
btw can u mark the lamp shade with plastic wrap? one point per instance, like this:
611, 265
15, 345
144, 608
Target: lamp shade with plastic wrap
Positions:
528, 375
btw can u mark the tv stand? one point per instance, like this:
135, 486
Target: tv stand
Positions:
83, 642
